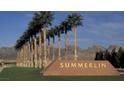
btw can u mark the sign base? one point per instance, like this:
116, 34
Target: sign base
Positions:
81, 68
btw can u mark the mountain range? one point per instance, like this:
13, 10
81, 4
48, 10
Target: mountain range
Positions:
9, 53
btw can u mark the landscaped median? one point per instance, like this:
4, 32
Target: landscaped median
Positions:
33, 74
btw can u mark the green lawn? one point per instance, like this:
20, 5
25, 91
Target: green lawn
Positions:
32, 74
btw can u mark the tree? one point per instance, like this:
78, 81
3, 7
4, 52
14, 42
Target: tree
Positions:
99, 55
121, 57
75, 20
21, 45
18, 47
58, 33
122, 60
52, 35
41, 21
64, 27
107, 55
47, 18
48, 48
115, 59
37, 18
34, 28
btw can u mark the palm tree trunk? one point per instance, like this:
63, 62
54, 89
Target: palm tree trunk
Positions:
40, 49
32, 53
53, 55
29, 53
75, 43
26, 54
59, 49
20, 58
45, 53
35, 51
66, 44
17, 59
38, 54
23, 56
49, 49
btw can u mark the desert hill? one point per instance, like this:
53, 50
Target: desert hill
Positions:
9, 53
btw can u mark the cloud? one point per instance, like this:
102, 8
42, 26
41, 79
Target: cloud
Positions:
102, 30
108, 30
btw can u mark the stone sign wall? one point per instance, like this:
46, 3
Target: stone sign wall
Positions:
81, 68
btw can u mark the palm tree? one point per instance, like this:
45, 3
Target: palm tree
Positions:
40, 48
52, 35
75, 20
34, 29
38, 21
18, 47
25, 45
46, 18
58, 33
29, 53
32, 52
65, 28
48, 46
21, 44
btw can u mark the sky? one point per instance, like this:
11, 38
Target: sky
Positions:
99, 28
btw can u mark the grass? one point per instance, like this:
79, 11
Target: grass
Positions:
33, 74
